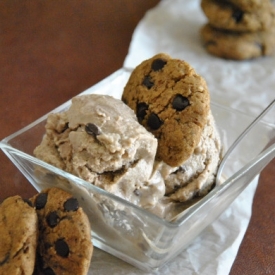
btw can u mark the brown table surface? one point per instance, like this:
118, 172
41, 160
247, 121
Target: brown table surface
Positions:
52, 50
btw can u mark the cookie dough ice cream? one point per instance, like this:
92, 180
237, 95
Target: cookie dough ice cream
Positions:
99, 140
195, 176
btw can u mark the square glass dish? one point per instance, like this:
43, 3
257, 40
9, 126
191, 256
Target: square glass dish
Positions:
125, 230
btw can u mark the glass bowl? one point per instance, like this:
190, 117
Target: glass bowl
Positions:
125, 230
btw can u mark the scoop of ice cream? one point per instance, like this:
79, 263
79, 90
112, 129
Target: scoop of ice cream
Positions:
196, 175
99, 139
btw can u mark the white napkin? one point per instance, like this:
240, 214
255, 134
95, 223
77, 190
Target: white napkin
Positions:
173, 27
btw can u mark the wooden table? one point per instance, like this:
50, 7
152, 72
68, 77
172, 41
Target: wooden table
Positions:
52, 50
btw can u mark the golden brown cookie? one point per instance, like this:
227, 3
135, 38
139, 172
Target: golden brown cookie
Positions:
227, 16
171, 101
65, 245
238, 46
18, 237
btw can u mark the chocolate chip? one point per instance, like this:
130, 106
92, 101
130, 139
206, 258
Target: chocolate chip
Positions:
154, 122
147, 82
61, 248
41, 200
179, 170
92, 129
141, 110
71, 204
66, 126
237, 15
180, 102
158, 64
52, 219
48, 271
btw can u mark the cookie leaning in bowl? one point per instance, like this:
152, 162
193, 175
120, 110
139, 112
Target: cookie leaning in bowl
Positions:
18, 236
238, 46
65, 245
227, 16
171, 101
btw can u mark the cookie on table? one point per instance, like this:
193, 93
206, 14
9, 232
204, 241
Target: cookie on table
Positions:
18, 237
65, 245
224, 15
238, 46
171, 101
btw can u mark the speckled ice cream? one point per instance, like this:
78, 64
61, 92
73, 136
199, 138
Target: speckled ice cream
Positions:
194, 178
196, 175
99, 139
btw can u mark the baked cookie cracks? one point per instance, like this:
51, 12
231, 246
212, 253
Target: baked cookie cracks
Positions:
171, 101
18, 237
64, 244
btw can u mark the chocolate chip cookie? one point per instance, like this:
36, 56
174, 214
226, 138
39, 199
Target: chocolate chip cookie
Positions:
227, 16
171, 101
65, 245
18, 237
238, 46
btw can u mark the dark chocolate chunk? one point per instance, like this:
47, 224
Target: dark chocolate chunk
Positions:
158, 64
92, 129
66, 126
52, 219
147, 82
141, 110
71, 204
154, 122
180, 102
179, 170
62, 248
237, 15
41, 200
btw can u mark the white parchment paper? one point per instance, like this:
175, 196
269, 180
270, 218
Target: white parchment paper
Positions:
248, 86
173, 27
